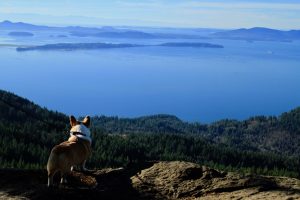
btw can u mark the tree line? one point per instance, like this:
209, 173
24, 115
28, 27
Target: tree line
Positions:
28, 132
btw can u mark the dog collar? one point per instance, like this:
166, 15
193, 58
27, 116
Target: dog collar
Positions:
77, 133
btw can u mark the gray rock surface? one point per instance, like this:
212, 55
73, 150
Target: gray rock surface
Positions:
160, 180
184, 180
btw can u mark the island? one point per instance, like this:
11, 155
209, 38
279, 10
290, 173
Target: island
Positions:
191, 44
21, 34
94, 46
61, 36
114, 34
76, 46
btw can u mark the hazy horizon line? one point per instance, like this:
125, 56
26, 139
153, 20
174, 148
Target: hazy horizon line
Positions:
137, 26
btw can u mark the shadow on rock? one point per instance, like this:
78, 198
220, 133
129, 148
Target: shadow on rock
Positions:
150, 180
93, 184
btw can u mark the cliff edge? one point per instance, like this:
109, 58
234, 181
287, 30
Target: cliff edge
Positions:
160, 180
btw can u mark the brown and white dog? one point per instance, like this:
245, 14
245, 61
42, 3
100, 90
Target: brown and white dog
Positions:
70, 153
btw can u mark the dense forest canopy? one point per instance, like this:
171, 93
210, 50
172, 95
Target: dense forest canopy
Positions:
266, 145
280, 135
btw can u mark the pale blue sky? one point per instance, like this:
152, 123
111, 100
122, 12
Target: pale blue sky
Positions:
282, 14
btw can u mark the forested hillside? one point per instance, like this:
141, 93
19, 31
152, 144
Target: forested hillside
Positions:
28, 132
280, 135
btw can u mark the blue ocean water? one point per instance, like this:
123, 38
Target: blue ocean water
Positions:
196, 84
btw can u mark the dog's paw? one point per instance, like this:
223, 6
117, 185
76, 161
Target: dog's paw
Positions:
63, 181
84, 169
52, 187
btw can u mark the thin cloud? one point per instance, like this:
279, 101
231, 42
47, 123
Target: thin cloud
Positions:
211, 5
245, 5
188, 13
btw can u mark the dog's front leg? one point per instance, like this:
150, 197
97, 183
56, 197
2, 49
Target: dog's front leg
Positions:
63, 179
83, 166
50, 181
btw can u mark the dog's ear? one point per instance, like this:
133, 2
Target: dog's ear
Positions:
87, 121
73, 121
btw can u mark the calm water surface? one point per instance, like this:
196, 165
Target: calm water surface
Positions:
241, 80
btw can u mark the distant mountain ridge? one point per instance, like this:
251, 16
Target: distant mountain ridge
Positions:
259, 33
105, 31
251, 34
8, 25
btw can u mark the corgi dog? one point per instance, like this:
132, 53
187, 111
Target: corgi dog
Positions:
73, 152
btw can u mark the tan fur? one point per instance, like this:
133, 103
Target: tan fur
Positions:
67, 154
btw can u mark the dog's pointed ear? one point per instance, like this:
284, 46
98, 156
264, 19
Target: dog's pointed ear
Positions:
87, 121
73, 121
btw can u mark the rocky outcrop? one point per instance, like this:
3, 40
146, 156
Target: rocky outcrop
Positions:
183, 180
161, 180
